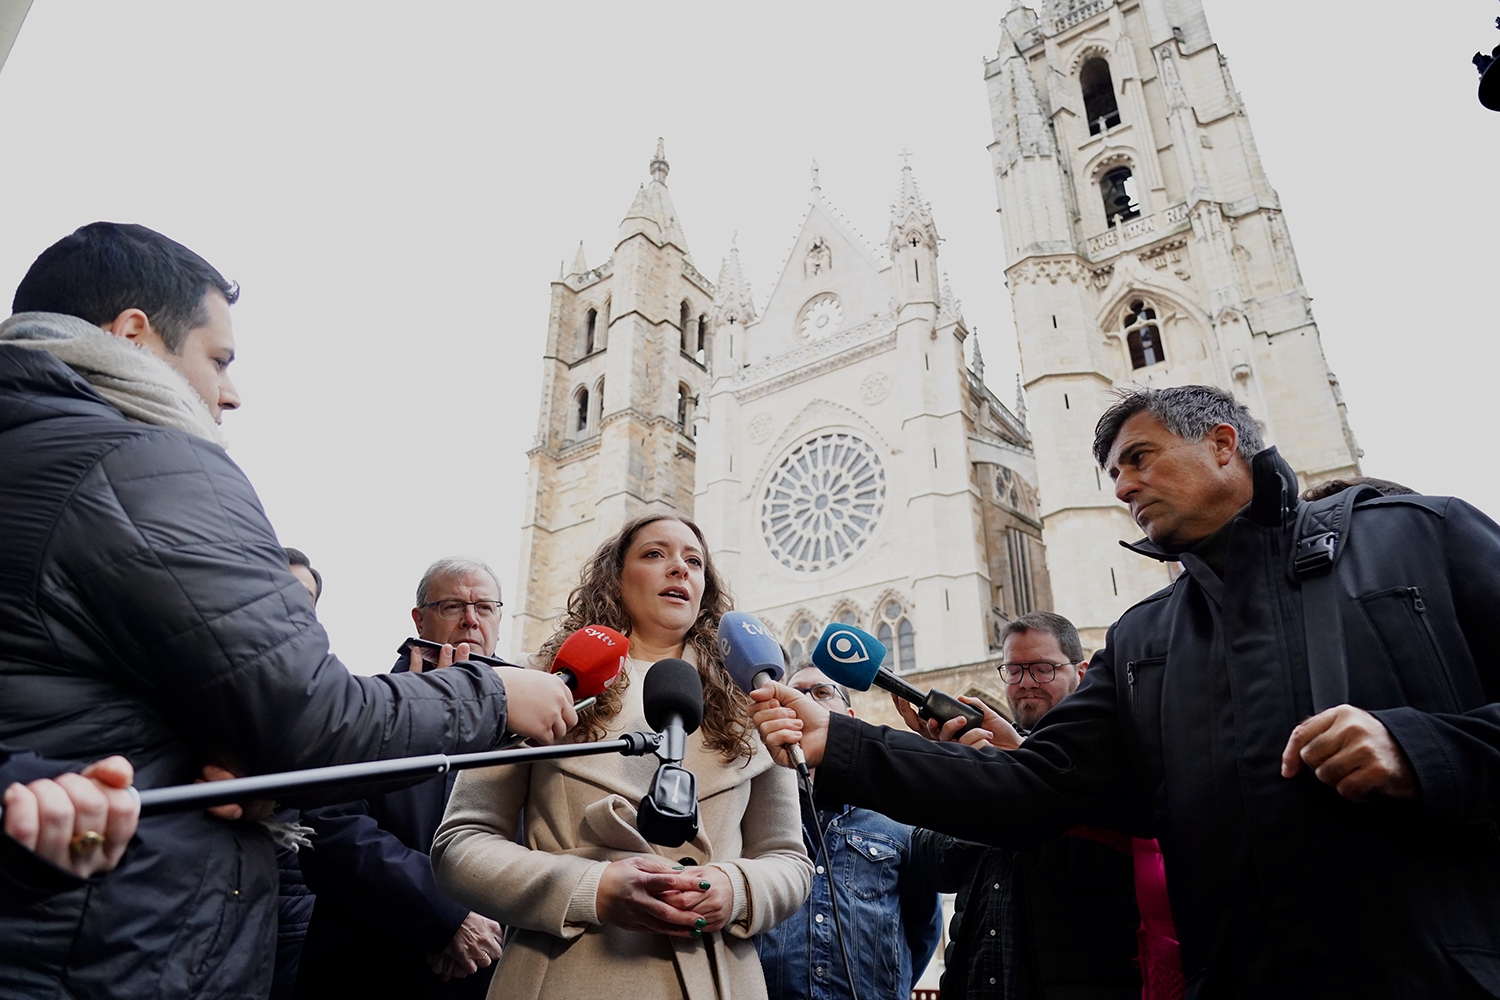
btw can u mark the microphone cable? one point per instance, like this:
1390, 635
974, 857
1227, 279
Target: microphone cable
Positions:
804, 782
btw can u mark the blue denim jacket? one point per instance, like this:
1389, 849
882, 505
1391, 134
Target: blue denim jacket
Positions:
890, 911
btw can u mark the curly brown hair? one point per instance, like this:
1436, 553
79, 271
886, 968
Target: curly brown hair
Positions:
599, 600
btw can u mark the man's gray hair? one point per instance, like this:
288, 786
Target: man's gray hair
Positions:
450, 567
1047, 621
1189, 411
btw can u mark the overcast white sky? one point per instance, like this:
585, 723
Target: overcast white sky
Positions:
395, 185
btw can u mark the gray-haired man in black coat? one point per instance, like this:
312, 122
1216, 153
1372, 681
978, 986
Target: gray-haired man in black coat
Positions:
1349, 852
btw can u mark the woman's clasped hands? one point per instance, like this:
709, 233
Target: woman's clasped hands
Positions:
654, 896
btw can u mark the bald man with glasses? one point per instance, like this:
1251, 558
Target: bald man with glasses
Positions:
381, 927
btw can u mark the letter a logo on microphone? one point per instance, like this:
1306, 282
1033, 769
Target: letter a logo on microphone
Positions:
846, 647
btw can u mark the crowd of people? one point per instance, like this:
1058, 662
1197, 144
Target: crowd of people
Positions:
1280, 776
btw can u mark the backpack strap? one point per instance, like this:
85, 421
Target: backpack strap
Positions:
1320, 537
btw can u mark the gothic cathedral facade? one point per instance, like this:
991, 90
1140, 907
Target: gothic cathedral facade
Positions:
1143, 246
844, 459
841, 455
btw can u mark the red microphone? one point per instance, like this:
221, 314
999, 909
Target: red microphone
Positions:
590, 659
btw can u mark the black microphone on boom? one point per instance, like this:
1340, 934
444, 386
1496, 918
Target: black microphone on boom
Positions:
672, 696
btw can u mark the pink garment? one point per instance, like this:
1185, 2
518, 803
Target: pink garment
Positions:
1161, 963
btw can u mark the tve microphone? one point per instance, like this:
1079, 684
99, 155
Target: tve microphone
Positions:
853, 656
753, 656
751, 653
590, 659
672, 696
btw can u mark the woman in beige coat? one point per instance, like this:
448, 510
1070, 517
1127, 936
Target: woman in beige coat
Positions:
595, 911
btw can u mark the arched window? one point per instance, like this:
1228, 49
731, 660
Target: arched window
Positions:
590, 330
685, 326
800, 643
1143, 335
1099, 105
702, 352
581, 411
601, 338
599, 403
1117, 188
895, 632
846, 616
684, 400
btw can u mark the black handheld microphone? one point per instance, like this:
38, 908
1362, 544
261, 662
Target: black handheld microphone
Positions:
672, 696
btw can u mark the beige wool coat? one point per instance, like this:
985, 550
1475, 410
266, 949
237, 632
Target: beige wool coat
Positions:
580, 815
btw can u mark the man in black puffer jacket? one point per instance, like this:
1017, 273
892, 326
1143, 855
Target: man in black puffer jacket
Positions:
146, 609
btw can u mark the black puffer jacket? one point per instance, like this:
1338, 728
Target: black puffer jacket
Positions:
146, 609
1279, 887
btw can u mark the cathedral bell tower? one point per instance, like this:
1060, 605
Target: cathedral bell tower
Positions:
627, 357
1144, 247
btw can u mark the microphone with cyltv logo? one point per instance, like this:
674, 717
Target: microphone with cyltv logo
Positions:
590, 659
853, 657
753, 656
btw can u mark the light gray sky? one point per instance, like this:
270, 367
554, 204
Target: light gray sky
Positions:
394, 186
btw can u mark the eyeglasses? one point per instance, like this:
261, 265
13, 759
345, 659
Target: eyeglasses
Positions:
1041, 672
454, 610
824, 692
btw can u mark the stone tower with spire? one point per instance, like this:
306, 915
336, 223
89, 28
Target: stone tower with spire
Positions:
1144, 246
627, 356
852, 467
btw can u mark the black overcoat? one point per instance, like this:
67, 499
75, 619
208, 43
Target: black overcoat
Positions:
1279, 887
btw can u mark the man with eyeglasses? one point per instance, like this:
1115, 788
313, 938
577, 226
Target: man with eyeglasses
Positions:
1059, 919
888, 903
381, 927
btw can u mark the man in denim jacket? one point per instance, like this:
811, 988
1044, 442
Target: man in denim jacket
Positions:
887, 900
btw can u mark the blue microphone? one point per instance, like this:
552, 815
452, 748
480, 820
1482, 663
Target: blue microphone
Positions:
853, 657
751, 653
753, 656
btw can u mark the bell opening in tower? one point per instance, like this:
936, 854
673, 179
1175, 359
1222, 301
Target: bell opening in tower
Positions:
1117, 188
1099, 104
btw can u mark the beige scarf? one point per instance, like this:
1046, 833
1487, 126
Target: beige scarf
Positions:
135, 381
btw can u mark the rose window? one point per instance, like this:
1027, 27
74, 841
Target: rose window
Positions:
823, 502
822, 318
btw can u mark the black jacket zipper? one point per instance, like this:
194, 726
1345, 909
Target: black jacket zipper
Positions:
1420, 606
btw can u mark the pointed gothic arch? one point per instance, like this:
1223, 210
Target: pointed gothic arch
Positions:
1178, 317
685, 403
801, 636
590, 332
846, 612
892, 625
1113, 174
1101, 108
580, 416
1143, 336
